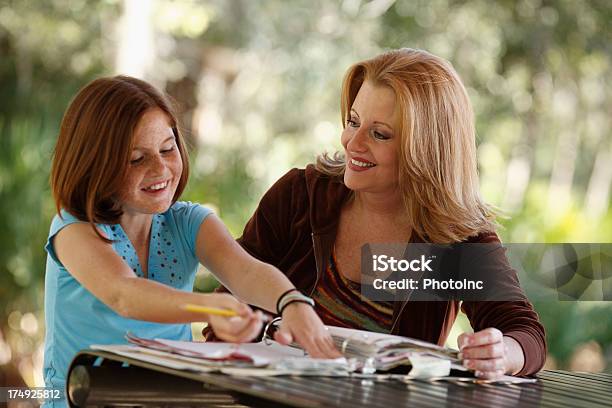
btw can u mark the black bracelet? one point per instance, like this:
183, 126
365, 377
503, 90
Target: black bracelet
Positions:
294, 301
282, 296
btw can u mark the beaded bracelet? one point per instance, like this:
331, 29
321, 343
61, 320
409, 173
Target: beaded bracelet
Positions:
291, 298
306, 300
285, 293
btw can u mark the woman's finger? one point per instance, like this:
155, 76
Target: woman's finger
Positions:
489, 375
491, 364
481, 338
462, 340
489, 351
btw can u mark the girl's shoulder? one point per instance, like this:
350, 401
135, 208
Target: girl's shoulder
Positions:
185, 209
183, 218
65, 218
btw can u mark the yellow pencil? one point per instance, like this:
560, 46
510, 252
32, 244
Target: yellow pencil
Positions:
209, 310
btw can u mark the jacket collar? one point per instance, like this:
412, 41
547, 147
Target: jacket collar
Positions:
326, 195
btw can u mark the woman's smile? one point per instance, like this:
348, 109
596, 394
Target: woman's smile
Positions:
359, 164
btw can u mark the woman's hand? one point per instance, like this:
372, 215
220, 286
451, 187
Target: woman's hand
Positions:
301, 324
490, 354
237, 329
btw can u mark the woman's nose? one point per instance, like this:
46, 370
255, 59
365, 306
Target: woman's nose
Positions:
357, 143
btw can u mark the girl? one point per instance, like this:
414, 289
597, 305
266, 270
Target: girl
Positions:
123, 252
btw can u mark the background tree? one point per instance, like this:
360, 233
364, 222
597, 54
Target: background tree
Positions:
258, 84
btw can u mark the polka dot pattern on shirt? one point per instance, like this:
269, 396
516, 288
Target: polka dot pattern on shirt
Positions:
164, 264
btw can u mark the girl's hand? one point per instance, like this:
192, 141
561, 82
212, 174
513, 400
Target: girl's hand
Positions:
490, 354
301, 324
237, 329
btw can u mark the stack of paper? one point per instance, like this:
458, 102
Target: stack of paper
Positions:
385, 351
253, 359
381, 352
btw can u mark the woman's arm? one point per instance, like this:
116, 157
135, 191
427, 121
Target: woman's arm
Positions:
96, 266
517, 334
506, 330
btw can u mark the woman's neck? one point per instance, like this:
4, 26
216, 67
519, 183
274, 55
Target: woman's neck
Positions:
383, 206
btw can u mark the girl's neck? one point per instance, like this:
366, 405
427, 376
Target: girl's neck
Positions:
137, 227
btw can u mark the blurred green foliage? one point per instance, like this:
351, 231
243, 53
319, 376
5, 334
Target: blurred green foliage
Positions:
259, 83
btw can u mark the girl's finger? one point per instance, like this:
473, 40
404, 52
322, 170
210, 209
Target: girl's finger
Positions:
309, 344
327, 347
283, 336
221, 330
251, 330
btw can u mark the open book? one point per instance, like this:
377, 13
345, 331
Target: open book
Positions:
366, 353
252, 359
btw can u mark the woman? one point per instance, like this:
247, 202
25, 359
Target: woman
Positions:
408, 173
123, 251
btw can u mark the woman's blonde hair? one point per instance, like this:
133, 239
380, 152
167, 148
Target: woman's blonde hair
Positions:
438, 176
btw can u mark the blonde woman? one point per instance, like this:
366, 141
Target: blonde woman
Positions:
407, 174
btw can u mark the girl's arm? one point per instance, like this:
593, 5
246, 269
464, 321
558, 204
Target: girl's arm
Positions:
249, 279
96, 266
260, 284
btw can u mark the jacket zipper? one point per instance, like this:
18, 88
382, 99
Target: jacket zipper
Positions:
317, 251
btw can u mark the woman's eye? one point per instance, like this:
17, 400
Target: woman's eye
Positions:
352, 122
381, 136
168, 150
136, 161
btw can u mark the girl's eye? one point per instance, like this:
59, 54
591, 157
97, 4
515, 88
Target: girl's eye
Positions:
168, 150
136, 161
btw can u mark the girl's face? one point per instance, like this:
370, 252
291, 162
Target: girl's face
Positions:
155, 167
371, 142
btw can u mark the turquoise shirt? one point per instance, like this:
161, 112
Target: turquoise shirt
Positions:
75, 319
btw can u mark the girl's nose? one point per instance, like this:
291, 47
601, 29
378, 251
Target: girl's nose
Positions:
157, 165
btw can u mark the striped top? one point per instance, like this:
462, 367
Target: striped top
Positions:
338, 302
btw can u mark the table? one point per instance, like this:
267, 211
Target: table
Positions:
113, 382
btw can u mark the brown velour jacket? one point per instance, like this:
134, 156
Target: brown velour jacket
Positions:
294, 228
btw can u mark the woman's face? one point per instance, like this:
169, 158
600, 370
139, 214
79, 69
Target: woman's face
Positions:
371, 141
155, 167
